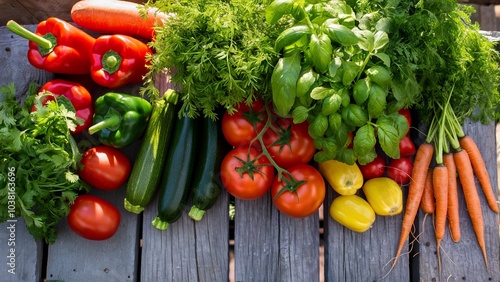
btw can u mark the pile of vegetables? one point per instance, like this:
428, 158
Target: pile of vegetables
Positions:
285, 83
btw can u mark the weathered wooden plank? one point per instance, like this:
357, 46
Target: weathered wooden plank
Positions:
187, 250
464, 260
270, 246
20, 254
367, 256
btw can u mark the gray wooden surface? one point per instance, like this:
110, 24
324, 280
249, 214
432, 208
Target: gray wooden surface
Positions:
268, 246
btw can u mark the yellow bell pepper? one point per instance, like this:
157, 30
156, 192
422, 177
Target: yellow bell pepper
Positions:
345, 179
353, 212
384, 195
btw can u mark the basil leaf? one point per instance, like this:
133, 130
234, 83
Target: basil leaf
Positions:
290, 36
361, 91
354, 115
300, 114
351, 71
364, 142
334, 122
376, 101
346, 155
277, 9
306, 80
321, 51
380, 40
321, 92
388, 137
339, 33
333, 69
318, 126
284, 81
367, 40
331, 104
380, 75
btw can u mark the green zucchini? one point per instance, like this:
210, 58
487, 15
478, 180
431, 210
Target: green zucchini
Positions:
177, 173
206, 187
145, 175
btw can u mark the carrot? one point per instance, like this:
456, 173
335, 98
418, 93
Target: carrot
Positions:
479, 168
440, 185
427, 202
453, 211
466, 176
421, 164
116, 17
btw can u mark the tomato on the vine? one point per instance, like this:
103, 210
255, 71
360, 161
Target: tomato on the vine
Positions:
93, 218
400, 169
243, 125
407, 147
302, 197
246, 173
373, 169
290, 144
104, 167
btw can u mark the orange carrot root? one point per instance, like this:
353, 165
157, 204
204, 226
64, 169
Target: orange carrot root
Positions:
453, 209
479, 168
440, 185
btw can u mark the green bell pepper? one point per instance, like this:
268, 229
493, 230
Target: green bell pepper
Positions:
120, 119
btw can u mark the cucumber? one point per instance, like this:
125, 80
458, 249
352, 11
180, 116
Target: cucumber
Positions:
145, 175
206, 187
177, 173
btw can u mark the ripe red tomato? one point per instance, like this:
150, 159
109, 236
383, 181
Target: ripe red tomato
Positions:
303, 200
399, 170
407, 114
407, 147
374, 169
93, 218
104, 167
242, 127
291, 145
244, 175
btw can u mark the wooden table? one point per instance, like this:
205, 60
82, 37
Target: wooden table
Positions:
263, 244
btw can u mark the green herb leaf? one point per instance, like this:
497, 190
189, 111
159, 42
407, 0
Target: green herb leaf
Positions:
284, 82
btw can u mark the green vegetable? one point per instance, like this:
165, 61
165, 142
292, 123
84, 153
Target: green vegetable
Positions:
222, 51
146, 172
120, 119
177, 173
206, 184
343, 80
38, 161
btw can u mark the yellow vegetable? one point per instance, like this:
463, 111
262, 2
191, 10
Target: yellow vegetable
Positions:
345, 179
384, 195
353, 212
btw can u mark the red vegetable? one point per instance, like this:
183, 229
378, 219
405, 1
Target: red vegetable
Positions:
104, 167
246, 174
241, 127
399, 170
301, 198
407, 147
291, 144
93, 218
407, 114
374, 169
78, 95
57, 46
118, 60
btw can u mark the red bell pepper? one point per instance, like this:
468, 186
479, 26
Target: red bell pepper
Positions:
118, 60
79, 97
57, 46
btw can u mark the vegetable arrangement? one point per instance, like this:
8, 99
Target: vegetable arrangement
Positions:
329, 82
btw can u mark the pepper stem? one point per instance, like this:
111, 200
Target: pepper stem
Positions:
23, 32
111, 121
111, 61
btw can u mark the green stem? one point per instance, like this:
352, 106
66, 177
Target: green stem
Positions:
23, 32
111, 61
108, 122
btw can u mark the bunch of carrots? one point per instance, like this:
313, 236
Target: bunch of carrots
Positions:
433, 188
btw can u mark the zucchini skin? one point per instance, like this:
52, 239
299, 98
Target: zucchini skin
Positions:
177, 173
146, 171
206, 186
